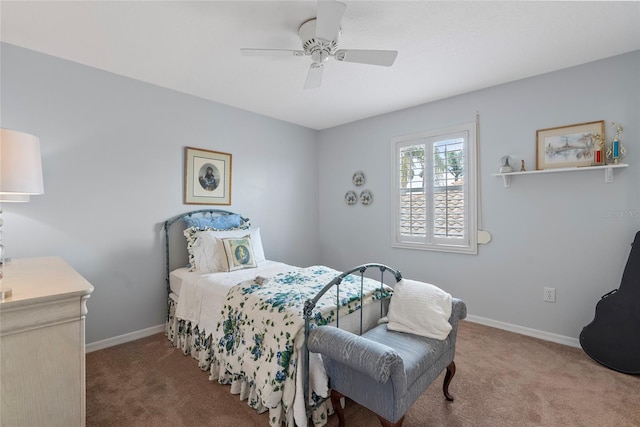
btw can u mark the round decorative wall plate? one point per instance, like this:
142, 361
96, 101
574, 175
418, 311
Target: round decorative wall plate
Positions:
366, 198
358, 178
351, 197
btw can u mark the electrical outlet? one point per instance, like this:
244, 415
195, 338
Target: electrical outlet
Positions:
550, 294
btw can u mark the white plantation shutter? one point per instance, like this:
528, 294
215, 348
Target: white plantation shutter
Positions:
434, 186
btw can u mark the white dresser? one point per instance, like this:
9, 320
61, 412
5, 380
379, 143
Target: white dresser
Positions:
42, 344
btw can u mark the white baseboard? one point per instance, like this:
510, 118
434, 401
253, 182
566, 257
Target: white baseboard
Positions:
121, 339
548, 336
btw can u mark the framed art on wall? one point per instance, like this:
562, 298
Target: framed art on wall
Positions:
568, 146
207, 177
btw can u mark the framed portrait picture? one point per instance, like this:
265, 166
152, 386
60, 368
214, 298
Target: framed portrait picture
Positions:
207, 177
568, 146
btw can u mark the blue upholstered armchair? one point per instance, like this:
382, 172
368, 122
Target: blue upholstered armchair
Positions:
384, 370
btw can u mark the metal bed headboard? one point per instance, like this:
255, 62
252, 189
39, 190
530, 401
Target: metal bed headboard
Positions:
200, 212
309, 305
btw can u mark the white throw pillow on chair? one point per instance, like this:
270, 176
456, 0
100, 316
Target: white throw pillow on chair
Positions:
421, 309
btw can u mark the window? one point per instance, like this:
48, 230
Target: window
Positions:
434, 185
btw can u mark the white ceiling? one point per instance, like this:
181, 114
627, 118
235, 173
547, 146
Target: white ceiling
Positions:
445, 48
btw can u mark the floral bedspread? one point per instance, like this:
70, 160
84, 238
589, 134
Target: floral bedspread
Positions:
261, 332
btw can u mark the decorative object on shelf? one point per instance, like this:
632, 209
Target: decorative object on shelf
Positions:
616, 150
567, 146
599, 153
505, 164
207, 177
351, 197
358, 178
522, 168
366, 198
20, 177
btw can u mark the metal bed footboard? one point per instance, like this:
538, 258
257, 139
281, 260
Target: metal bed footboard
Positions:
309, 306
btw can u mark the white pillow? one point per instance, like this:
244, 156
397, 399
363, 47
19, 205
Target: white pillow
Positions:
208, 254
420, 309
239, 253
208, 251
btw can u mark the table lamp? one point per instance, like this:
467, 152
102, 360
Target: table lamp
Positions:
20, 177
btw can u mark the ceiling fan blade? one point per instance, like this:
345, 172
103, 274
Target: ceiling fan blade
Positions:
271, 52
314, 76
373, 57
328, 20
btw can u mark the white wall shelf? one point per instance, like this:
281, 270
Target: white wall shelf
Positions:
608, 172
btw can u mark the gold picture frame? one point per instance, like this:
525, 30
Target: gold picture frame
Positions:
207, 177
568, 146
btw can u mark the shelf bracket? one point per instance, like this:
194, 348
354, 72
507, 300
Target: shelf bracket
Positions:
507, 181
608, 174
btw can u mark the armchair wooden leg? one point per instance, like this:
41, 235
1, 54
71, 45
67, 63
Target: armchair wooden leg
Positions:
451, 371
387, 423
337, 407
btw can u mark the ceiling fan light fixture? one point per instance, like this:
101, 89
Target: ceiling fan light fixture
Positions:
319, 56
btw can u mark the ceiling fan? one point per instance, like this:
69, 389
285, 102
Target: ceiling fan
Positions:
319, 38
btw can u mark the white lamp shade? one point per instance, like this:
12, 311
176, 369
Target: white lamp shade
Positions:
20, 164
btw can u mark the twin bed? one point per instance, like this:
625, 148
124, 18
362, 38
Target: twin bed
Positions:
245, 318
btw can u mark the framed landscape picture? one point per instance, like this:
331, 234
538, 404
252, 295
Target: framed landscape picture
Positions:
207, 177
568, 146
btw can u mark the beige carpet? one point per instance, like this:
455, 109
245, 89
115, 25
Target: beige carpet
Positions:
502, 379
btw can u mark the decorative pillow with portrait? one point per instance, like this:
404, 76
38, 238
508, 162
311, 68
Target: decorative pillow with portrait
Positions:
239, 253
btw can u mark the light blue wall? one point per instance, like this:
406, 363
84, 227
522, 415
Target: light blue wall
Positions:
570, 231
112, 153
113, 167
